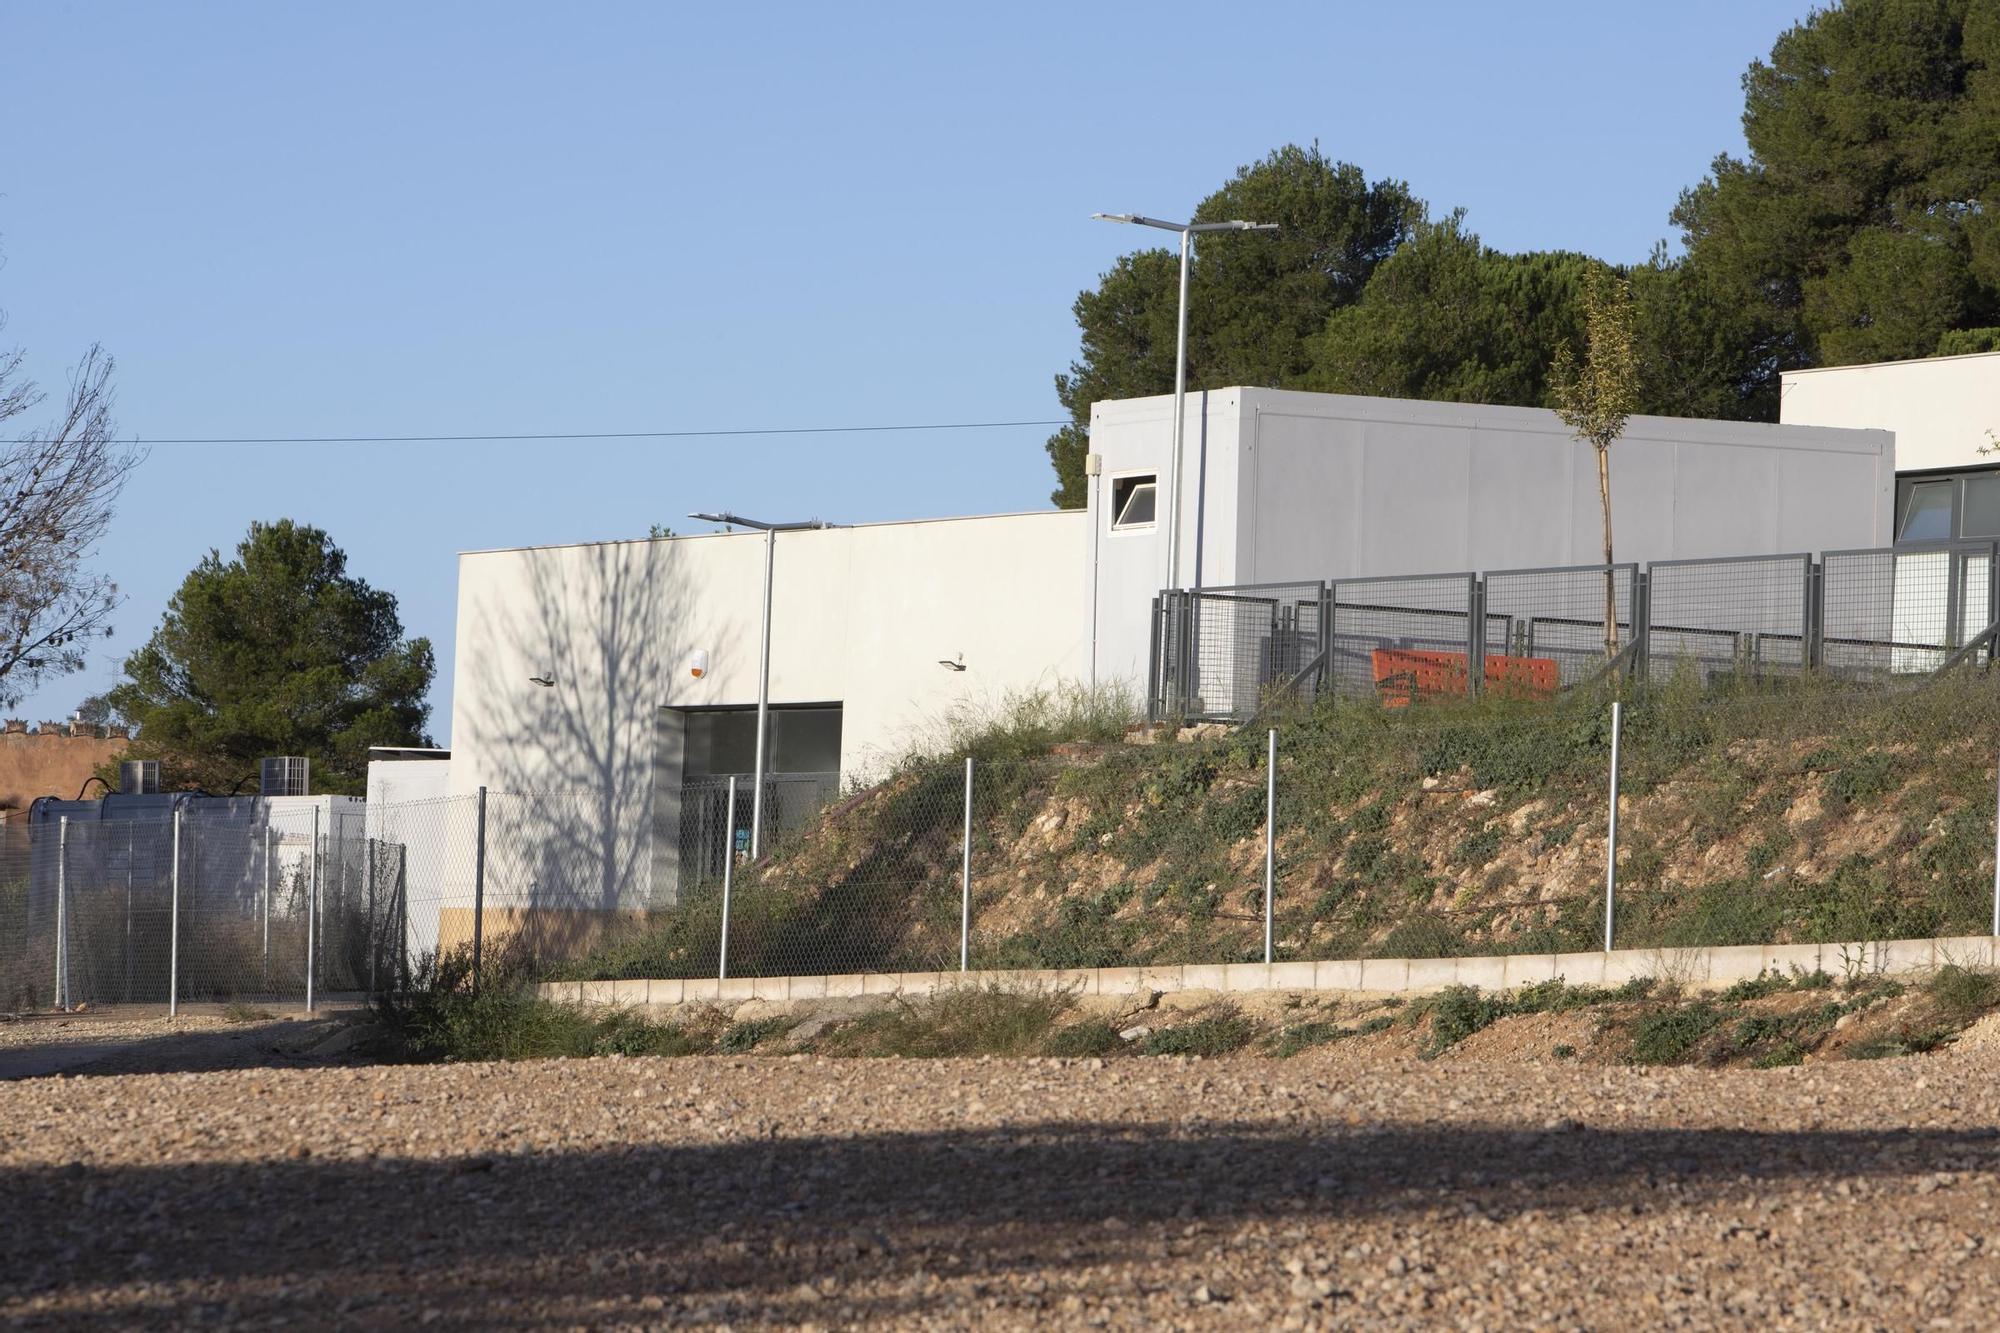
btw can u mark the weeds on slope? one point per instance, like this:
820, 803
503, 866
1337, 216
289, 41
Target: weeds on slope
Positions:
443, 1017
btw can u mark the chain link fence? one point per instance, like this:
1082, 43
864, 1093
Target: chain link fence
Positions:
1809, 811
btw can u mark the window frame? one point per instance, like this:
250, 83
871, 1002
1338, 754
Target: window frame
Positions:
1132, 482
1959, 480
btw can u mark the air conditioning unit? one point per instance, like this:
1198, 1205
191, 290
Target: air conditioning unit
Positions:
284, 775
139, 777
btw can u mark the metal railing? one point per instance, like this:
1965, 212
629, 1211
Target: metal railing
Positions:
1879, 616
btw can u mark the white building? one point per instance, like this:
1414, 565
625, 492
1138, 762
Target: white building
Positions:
576, 664
1945, 414
879, 632
1279, 486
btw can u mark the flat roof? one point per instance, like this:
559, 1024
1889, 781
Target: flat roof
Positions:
1501, 417
754, 532
1877, 365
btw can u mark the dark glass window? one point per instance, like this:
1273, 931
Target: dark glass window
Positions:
1134, 501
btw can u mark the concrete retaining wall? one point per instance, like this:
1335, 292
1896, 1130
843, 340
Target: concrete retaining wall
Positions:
1714, 967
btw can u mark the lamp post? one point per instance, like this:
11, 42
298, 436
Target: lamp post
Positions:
770, 531
1188, 231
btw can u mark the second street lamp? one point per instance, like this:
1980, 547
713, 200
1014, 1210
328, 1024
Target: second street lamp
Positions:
770, 531
1188, 231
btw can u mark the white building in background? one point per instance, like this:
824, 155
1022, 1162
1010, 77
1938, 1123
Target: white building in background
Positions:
1945, 414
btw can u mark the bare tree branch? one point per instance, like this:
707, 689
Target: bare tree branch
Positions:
58, 486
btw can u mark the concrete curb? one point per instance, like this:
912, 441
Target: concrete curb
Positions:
1698, 968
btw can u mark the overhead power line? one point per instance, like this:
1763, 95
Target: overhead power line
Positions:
592, 435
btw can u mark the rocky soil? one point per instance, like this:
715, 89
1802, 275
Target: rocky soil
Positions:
1234, 1193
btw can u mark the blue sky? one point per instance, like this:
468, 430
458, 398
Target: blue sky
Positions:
390, 219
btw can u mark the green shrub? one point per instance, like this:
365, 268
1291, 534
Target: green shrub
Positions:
1962, 994
1296, 1037
751, 1033
442, 1017
1785, 1053
1422, 937
970, 1020
1665, 1036
1092, 1036
1456, 1012
1554, 996
1907, 1040
1216, 1033
1476, 849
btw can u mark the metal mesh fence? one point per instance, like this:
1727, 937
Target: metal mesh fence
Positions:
1881, 615
1400, 637
1903, 612
1744, 618
1549, 629
1224, 648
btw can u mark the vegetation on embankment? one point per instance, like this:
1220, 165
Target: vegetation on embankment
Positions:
1813, 812
1765, 1022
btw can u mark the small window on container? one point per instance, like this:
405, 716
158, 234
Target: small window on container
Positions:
1133, 500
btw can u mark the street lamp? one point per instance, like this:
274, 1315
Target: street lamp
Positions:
770, 531
1188, 231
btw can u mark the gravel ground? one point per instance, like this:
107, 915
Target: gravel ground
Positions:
1237, 1193
139, 1039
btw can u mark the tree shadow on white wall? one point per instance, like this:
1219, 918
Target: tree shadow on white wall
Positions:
570, 764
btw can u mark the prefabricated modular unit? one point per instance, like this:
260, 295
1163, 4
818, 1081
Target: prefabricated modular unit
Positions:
1278, 488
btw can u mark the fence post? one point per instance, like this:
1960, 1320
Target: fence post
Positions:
479, 889
174, 924
1611, 831
965, 880
264, 966
368, 882
728, 878
61, 986
128, 912
1815, 626
1996, 864
403, 916
1270, 838
312, 906
1325, 681
1475, 636
1154, 687
1642, 626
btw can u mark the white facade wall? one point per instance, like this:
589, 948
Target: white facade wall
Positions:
399, 781
1304, 486
862, 617
1941, 409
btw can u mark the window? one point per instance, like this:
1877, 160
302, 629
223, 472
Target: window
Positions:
716, 742
1133, 501
1942, 508
1927, 512
1980, 515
